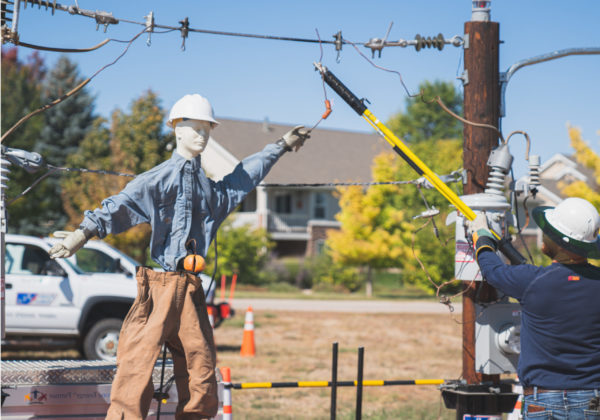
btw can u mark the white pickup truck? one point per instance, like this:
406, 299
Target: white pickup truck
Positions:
55, 303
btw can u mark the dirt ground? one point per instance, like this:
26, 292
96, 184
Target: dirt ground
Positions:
296, 346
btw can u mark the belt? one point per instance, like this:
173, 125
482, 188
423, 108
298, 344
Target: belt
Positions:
529, 390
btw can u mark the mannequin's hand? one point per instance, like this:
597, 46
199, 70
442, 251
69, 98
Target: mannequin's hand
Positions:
295, 138
72, 242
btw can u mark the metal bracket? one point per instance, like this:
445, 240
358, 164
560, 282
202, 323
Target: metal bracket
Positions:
505, 77
466, 41
464, 77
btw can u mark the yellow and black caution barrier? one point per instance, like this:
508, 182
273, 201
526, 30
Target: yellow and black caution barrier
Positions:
327, 384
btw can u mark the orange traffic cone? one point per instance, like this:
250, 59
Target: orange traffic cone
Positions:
211, 316
248, 340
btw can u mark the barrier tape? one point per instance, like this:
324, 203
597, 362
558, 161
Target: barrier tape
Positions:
326, 384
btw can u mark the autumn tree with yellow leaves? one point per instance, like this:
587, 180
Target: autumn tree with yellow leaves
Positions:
588, 158
378, 225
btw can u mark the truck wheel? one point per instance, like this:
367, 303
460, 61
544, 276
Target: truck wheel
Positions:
102, 339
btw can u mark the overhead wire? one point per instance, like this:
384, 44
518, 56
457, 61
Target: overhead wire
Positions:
72, 92
327, 103
63, 50
437, 99
55, 169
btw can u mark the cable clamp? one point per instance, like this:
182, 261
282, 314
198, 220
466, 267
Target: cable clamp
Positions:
104, 18
339, 42
185, 28
149, 26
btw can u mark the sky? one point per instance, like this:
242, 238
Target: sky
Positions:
257, 79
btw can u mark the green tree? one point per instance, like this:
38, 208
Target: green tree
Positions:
21, 94
378, 230
133, 143
242, 250
65, 126
423, 120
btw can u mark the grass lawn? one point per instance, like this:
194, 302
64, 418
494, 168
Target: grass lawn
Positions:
297, 347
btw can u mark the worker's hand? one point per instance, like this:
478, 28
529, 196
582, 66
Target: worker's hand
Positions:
72, 242
295, 138
480, 232
479, 224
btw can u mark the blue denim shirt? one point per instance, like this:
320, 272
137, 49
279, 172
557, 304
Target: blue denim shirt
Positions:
180, 203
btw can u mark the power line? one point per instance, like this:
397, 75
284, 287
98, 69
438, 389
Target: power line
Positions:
107, 18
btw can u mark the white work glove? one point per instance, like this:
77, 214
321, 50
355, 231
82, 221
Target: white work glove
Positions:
295, 138
479, 227
71, 243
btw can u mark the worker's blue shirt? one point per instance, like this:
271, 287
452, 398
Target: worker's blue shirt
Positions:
180, 203
560, 320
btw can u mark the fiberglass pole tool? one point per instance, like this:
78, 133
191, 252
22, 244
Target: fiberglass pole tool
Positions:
399, 147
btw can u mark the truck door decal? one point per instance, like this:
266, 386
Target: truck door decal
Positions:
35, 299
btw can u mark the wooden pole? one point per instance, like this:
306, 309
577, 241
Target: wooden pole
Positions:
481, 105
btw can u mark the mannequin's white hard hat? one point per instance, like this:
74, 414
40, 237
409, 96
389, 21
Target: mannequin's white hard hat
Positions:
193, 107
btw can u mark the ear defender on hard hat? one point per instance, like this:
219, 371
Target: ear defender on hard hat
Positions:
193, 107
573, 224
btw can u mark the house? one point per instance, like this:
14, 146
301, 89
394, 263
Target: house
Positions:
296, 216
557, 171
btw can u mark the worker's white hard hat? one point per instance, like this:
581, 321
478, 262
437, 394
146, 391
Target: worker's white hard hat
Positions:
573, 224
194, 107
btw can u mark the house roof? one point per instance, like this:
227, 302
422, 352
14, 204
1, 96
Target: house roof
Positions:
327, 156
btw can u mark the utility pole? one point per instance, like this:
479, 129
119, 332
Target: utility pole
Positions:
481, 105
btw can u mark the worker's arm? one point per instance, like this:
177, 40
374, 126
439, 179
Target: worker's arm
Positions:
511, 280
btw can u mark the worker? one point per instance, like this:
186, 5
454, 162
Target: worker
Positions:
181, 204
559, 364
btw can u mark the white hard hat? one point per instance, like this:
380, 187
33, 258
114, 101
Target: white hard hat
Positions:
194, 107
573, 224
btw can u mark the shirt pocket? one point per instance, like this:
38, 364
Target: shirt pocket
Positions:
164, 220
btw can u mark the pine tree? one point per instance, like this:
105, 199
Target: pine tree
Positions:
65, 126
21, 89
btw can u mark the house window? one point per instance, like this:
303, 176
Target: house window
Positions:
283, 204
320, 206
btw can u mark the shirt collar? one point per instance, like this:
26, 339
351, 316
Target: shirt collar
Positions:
179, 161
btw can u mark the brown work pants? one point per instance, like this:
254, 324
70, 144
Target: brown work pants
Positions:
169, 308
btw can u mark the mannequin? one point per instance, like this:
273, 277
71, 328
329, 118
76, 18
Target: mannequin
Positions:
181, 204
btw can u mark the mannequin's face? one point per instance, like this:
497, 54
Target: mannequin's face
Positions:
192, 137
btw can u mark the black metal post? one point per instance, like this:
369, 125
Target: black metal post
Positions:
334, 363
359, 382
